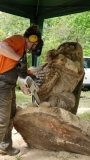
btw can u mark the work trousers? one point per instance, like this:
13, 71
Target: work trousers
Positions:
7, 106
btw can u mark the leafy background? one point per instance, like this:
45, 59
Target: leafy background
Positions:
74, 27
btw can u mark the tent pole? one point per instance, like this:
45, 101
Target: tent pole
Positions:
35, 60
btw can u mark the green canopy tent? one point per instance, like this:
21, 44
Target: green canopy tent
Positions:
42, 9
38, 10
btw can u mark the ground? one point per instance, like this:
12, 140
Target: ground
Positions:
36, 154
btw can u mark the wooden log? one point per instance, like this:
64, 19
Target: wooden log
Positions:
53, 129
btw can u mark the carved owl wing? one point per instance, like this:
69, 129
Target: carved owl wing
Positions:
49, 75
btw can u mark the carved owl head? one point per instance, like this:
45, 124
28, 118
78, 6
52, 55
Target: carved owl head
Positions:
71, 50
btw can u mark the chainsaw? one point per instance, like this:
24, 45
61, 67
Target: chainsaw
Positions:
29, 87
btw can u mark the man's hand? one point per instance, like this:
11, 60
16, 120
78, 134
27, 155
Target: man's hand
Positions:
22, 65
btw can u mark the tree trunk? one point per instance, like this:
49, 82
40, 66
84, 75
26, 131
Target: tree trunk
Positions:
53, 129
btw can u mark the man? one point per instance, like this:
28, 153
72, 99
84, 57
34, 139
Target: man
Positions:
12, 63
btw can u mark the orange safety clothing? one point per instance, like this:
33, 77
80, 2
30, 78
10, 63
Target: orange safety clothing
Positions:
18, 43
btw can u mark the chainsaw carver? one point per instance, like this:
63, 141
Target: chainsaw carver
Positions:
12, 64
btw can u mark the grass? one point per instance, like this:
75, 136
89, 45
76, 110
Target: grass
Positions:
18, 158
22, 100
84, 102
85, 115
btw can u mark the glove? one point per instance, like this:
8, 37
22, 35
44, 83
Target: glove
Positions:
22, 65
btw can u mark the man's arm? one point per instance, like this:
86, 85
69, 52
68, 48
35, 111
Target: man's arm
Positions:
9, 52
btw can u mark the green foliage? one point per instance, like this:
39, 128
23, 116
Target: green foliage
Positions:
29, 60
79, 25
17, 88
11, 24
74, 27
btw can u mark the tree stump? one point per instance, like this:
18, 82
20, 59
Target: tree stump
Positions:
53, 128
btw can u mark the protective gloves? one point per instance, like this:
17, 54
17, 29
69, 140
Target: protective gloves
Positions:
22, 65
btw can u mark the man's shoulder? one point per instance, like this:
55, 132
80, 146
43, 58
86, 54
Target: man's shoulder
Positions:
17, 36
15, 41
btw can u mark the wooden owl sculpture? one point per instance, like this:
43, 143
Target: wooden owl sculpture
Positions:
60, 75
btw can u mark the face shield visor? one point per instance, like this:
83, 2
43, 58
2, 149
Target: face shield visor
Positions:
38, 49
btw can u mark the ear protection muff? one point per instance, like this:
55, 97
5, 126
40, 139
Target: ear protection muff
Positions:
33, 38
